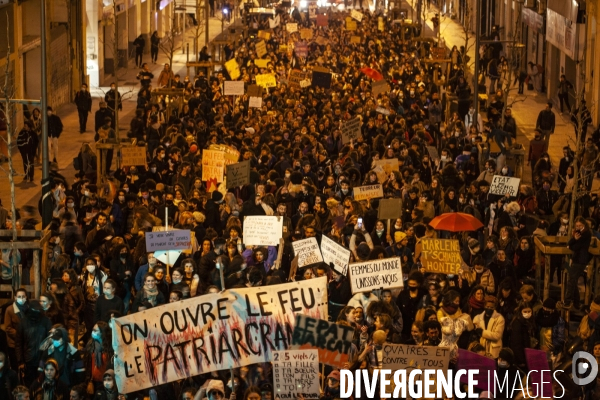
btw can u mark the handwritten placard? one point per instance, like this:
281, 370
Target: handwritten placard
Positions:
168, 240
503, 185
262, 62
351, 130
335, 254
238, 174
306, 34
307, 251
322, 20
351, 25
291, 27
301, 49
266, 80
261, 49
274, 22
255, 102
233, 69
355, 39
213, 165
357, 15
379, 87
440, 255
382, 110
296, 372
233, 88
264, 35
133, 155
433, 152
385, 273
368, 192
388, 165
262, 230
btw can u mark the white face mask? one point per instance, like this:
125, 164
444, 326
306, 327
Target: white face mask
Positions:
526, 315
86, 193
502, 364
90, 268
504, 170
121, 198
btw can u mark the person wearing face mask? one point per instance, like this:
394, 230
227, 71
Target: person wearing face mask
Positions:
523, 333
453, 321
489, 326
551, 328
93, 279
108, 390
506, 371
121, 271
525, 258
12, 319
31, 332
408, 301
99, 353
49, 386
339, 292
71, 365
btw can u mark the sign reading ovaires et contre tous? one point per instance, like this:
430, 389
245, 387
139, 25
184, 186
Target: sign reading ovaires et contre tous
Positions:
214, 332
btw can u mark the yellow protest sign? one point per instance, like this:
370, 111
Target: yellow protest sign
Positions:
351, 25
261, 49
260, 63
133, 155
440, 255
355, 39
264, 35
233, 68
266, 80
213, 165
306, 34
380, 24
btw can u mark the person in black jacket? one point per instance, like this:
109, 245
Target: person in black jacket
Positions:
27, 142
83, 101
139, 44
31, 332
55, 128
522, 330
579, 244
154, 43
108, 303
8, 377
101, 114
408, 301
49, 387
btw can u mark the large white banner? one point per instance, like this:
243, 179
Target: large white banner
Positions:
213, 332
561, 32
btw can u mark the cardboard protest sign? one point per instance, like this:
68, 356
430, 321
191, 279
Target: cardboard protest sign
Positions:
380, 24
168, 240
262, 63
262, 230
440, 255
261, 49
296, 372
355, 39
296, 76
264, 35
388, 165
350, 130
233, 69
307, 251
133, 155
255, 102
368, 192
382, 110
233, 88
368, 275
505, 185
357, 15
320, 40
238, 174
306, 34
438, 53
274, 22
213, 165
216, 332
379, 87
266, 80
335, 254
305, 83
291, 27
301, 49
230, 154
433, 153
254, 91
537, 361
351, 26
312, 10
390, 209
410, 357
330, 339
322, 20
469, 361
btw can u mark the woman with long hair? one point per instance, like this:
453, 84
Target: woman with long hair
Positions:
99, 353
52, 308
523, 333
149, 293
92, 282
49, 386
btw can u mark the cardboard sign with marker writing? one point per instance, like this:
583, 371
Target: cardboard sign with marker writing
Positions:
438, 53
296, 76
266, 80
168, 240
505, 185
321, 41
356, 15
351, 130
433, 153
260, 63
440, 255
333, 341
388, 165
335, 254
312, 10
233, 88
296, 372
254, 91
238, 174
306, 34
390, 209
368, 192
213, 165
255, 102
380, 87
262, 230
133, 156
301, 49
382, 273
264, 35
307, 251
382, 110
261, 49
351, 26
274, 22
291, 27
355, 39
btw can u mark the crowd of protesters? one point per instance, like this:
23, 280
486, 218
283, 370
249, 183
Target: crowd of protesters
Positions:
59, 345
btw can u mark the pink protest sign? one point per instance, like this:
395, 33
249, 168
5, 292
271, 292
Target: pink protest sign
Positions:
473, 361
542, 376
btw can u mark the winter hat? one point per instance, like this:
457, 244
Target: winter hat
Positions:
550, 303
507, 355
217, 196
399, 236
215, 385
363, 251
473, 243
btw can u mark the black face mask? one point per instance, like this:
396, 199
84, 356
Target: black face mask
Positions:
169, 202
489, 312
413, 288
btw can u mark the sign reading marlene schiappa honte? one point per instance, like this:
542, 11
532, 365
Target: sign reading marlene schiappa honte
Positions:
440, 255
385, 273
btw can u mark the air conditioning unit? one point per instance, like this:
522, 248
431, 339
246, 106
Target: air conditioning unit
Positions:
529, 3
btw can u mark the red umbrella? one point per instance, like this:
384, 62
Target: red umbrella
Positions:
372, 73
456, 222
